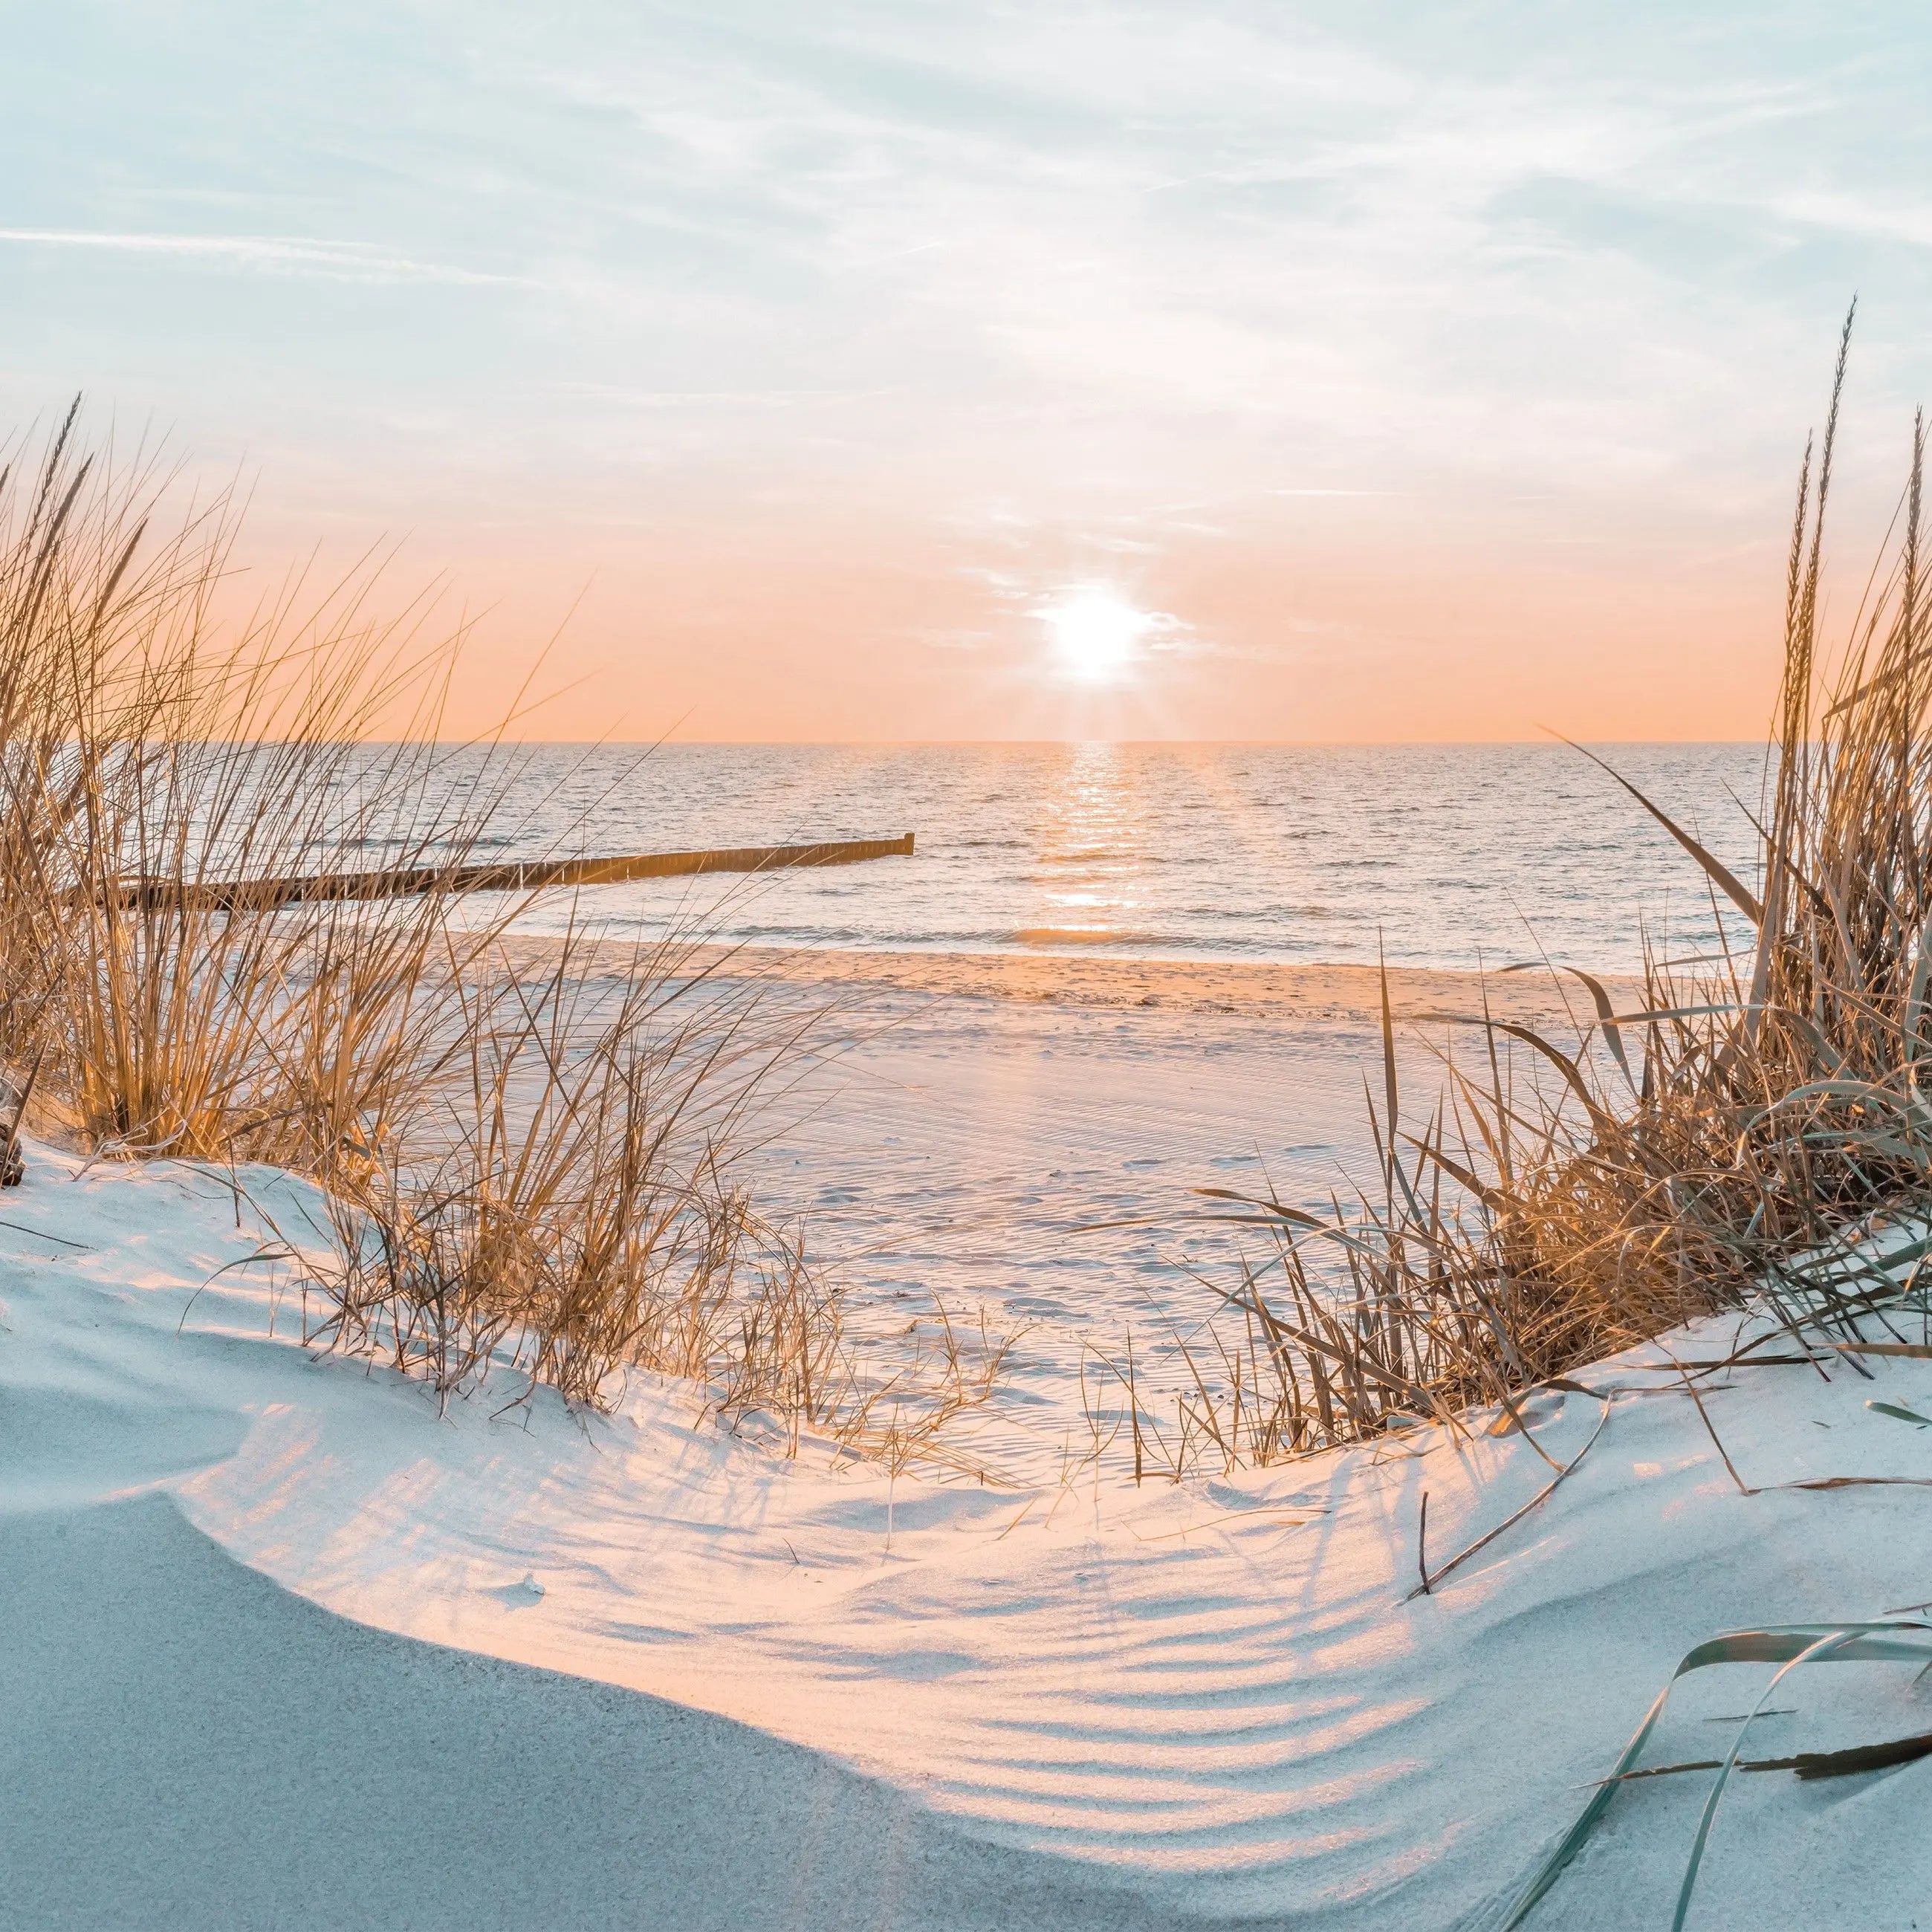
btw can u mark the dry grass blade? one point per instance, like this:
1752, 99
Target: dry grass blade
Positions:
512, 1174
1771, 1150
1721, 874
1431, 1579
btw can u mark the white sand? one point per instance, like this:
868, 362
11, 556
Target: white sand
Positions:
1040, 1706
1024, 1134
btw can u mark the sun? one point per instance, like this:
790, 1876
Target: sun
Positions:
1093, 633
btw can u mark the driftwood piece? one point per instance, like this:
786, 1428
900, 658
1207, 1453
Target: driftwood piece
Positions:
513, 876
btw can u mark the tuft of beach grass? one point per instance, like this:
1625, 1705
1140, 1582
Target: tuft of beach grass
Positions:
519, 1173
1754, 1132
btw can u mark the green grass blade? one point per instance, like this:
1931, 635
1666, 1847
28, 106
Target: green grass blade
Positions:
1871, 1643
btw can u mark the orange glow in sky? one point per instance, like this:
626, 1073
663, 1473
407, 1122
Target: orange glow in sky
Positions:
871, 372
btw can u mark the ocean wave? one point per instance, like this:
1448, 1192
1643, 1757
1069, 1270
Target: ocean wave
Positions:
1189, 852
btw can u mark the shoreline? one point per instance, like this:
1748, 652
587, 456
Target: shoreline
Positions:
1278, 991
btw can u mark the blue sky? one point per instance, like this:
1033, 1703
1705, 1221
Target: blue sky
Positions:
1271, 318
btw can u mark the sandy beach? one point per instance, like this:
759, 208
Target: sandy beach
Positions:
260, 1599
1349, 995
273, 1620
1026, 1137
1012, 1687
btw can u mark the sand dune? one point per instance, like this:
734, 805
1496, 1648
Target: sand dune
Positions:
1086, 1703
187, 1744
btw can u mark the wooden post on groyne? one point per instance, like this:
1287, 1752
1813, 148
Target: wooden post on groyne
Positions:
522, 875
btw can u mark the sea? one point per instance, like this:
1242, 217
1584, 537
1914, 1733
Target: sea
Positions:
1454, 856
1036, 1164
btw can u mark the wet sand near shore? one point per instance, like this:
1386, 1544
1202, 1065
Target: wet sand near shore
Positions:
1347, 994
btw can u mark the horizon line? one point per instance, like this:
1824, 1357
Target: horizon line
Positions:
1035, 744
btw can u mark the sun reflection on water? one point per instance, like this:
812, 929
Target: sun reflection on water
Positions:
1086, 880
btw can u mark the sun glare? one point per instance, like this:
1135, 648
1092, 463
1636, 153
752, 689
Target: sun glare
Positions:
1093, 633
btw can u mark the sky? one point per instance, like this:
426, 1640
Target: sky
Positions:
908, 371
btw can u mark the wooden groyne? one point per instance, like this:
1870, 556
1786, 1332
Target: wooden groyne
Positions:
523, 875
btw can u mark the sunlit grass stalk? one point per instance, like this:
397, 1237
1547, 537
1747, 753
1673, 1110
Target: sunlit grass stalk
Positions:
1741, 1137
518, 1172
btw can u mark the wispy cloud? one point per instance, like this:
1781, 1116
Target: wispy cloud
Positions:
294, 255
1158, 246
1045, 292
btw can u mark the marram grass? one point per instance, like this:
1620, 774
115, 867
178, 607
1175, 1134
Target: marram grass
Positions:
1739, 1138
515, 1176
